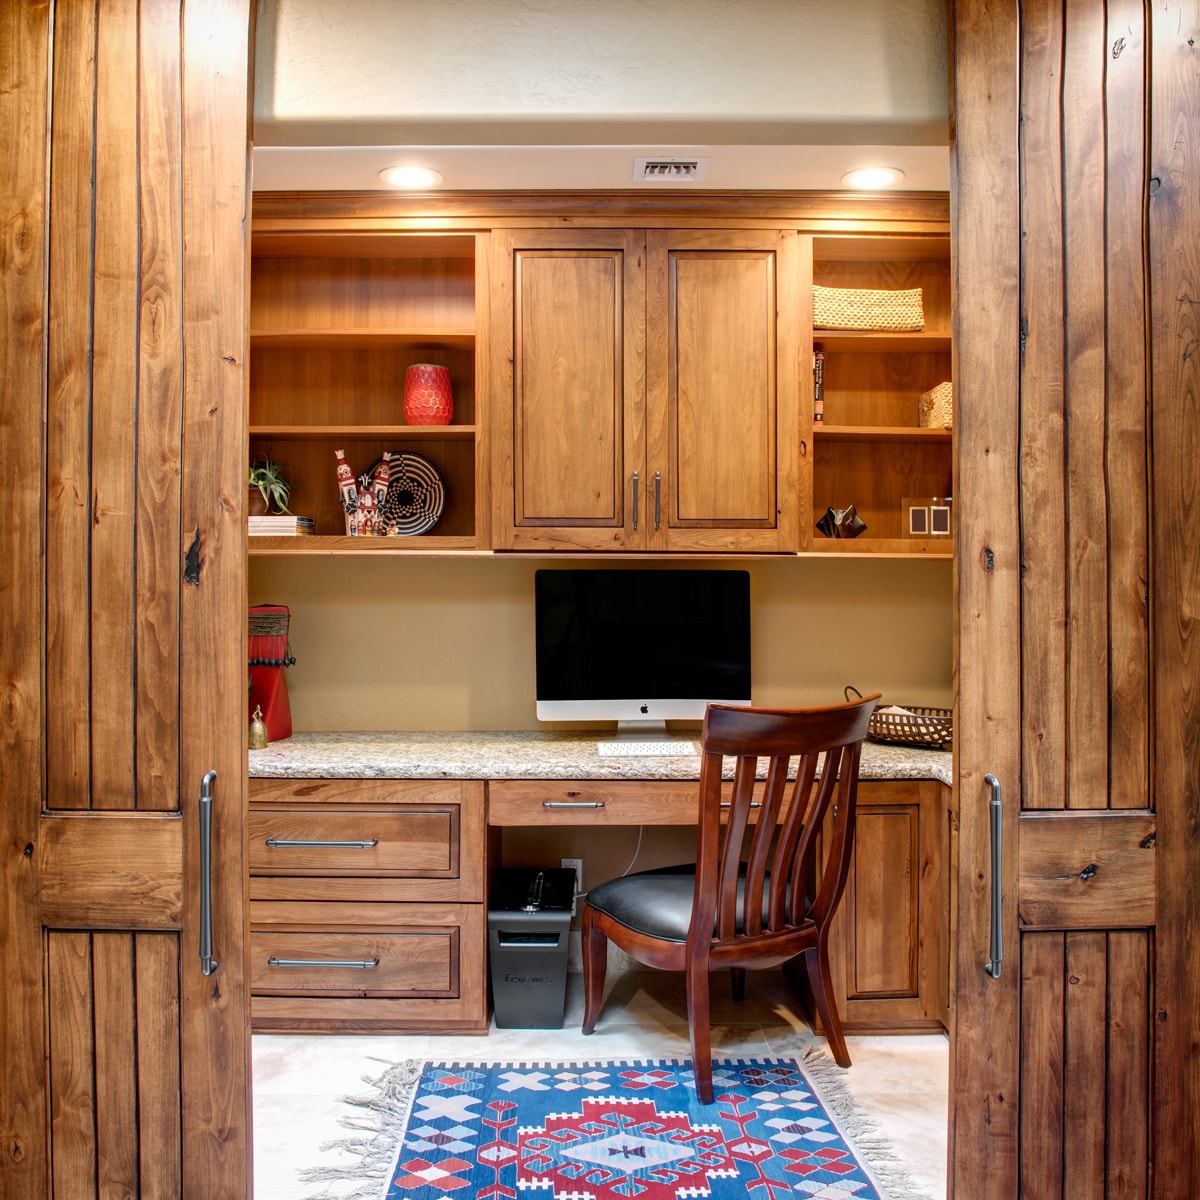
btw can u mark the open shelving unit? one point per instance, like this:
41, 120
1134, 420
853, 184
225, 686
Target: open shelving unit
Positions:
870, 450
336, 319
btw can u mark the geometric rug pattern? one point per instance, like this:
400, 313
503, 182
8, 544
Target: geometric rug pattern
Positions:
621, 1130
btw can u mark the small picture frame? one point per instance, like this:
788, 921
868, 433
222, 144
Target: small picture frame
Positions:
926, 517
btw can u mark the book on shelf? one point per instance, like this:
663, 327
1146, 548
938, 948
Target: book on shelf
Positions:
281, 525
818, 385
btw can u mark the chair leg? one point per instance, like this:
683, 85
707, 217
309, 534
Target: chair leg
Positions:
820, 983
594, 945
737, 982
701, 1034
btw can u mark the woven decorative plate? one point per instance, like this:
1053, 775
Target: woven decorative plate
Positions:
415, 495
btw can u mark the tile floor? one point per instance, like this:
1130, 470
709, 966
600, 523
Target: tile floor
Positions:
898, 1083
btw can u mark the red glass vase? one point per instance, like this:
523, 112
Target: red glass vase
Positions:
428, 399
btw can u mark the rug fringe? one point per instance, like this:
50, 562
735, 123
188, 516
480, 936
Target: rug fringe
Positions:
387, 1106
826, 1077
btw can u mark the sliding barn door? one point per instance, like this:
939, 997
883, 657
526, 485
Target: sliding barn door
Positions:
122, 659
1076, 1069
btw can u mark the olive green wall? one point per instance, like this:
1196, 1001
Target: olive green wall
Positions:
447, 644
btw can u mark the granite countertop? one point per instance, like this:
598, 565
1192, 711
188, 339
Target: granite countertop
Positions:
521, 755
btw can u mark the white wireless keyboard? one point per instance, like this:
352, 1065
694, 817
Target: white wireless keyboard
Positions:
633, 749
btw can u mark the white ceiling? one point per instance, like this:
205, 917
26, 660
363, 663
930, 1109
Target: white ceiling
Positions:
566, 94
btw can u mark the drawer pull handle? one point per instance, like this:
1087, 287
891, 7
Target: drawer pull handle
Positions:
303, 843
572, 803
359, 964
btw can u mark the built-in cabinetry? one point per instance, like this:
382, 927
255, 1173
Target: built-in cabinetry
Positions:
336, 318
646, 390
367, 905
631, 374
869, 450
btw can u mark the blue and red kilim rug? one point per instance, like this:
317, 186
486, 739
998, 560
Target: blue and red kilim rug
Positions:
608, 1131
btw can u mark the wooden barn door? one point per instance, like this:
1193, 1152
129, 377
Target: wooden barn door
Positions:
1076, 200
125, 1066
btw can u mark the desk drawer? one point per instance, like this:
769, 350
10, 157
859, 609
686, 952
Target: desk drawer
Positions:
397, 963
619, 802
308, 840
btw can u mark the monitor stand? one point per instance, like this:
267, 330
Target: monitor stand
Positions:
641, 731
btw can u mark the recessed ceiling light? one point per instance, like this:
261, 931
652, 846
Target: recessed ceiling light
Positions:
873, 177
410, 177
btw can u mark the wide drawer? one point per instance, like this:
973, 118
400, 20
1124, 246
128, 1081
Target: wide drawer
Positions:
620, 802
308, 840
396, 963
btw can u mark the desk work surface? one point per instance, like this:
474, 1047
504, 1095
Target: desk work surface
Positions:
523, 755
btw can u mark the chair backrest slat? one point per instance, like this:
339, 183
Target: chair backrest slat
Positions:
768, 855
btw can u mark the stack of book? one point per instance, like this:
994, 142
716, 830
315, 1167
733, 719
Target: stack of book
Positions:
281, 525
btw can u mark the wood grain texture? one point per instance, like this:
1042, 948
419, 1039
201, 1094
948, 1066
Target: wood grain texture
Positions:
1044, 499
216, 39
159, 422
157, 960
114, 406
69, 384
117, 1132
1042, 986
1085, 402
1127, 433
1174, 269
722, 389
985, 1055
1087, 871
24, 135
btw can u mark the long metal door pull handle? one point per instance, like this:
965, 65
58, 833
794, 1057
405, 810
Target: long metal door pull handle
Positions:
657, 499
208, 964
635, 499
996, 813
294, 843
572, 803
357, 964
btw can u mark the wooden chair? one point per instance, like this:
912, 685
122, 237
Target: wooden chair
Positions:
752, 899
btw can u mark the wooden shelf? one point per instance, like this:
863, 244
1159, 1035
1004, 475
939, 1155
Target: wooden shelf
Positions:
349, 433
359, 338
428, 544
864, 342
357, 244
880, 433
865, 547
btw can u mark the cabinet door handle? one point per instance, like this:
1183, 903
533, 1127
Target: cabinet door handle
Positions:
305, 843
208, 964
657, 499
572, 803
635, 499
357, 964
997, 939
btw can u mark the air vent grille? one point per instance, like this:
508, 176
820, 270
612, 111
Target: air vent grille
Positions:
669, 170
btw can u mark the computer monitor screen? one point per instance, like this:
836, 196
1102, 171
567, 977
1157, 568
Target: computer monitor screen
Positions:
640, 647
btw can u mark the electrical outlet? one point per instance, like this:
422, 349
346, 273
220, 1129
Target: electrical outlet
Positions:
577, 863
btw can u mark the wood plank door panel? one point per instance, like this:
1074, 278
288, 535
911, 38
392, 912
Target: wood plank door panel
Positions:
1077, 151
126, 1069
569, 428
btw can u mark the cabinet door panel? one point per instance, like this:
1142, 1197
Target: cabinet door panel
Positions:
568, 361
722, 379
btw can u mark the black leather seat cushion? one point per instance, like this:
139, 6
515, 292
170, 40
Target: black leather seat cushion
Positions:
658, 902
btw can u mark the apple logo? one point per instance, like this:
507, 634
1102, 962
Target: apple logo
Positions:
645, 708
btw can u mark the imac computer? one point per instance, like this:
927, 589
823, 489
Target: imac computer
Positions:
640, 647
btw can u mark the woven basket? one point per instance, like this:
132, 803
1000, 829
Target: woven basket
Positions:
858, 308
935, 408
914, 725
270, 622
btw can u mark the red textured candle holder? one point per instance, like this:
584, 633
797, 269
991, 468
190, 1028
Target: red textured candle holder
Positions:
428, 399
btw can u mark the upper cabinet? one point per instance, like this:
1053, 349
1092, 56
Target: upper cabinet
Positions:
646, 390
336, 320
630, 373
